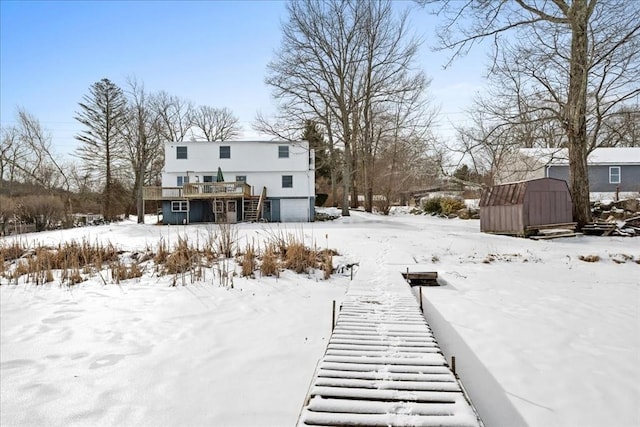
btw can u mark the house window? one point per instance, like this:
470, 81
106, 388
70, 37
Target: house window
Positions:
208, 178
181, 152
614, 175
283, 151
179, 206
241, 178
225, 152
182, 180
287, 181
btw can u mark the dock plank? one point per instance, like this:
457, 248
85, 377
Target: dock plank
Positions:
383, 367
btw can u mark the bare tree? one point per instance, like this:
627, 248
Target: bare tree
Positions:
622, 129
102, 112
43, 168
43, 211
7, 212
341, 64
12, 155
216, 124
176, 114
391, 95
26, 155
314, 70
488, 143
571, 52
143, 132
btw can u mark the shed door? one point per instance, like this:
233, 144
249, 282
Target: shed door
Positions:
549, 207
294, 210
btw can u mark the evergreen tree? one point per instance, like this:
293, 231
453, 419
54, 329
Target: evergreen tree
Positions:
316, 141
102, 112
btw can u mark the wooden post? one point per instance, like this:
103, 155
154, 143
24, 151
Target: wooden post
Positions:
333, 316
453, 365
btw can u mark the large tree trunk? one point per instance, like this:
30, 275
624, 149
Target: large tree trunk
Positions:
107, 200
139, 194
355, 203
346, 179
576, 114
334, 185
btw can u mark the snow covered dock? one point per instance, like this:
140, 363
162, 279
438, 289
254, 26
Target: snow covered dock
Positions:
383, 367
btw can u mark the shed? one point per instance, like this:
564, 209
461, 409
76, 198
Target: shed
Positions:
516, 207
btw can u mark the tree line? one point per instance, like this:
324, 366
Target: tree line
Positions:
121, 149
562, 74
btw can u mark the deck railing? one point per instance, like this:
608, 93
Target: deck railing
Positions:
161, 193
204, 190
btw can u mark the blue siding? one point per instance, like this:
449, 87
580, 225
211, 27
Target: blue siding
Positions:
599, 177
169, 217
266, 211
202, 211
312, 209
199, 211
275, 210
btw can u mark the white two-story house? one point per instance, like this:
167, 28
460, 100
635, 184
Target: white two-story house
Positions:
234, 181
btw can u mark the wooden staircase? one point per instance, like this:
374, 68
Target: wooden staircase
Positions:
253, 206
251, 209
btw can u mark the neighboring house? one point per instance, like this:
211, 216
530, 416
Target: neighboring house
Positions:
234, 181
610, 169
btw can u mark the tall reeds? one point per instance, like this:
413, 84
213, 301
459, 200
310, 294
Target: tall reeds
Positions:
219, 254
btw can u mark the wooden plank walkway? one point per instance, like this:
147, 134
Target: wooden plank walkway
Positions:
383, 367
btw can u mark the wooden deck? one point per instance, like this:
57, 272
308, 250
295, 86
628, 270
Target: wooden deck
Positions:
200, 190
383, 367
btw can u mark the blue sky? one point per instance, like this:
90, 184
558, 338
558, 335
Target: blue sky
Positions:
210, 52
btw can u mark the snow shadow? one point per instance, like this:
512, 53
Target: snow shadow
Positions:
487, 395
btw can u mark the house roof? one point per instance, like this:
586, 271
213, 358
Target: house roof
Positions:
618, 155
599, 156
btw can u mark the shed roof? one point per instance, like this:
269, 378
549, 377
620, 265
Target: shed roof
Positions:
513, 193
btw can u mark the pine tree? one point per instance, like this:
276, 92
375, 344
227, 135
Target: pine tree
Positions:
317, 143
102, 112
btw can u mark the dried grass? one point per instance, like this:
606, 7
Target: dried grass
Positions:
269, 265
75, 261
249, 262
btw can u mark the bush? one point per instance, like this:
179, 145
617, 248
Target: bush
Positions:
432, 205
43, 211
442, 205
321, 199
451, 205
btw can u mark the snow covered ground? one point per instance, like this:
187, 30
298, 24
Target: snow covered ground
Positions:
541, 338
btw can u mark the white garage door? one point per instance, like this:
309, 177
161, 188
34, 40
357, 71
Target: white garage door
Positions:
294, 210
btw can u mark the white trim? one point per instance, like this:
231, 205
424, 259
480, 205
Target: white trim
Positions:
182, 206
283, 151
619, 175
186, 152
